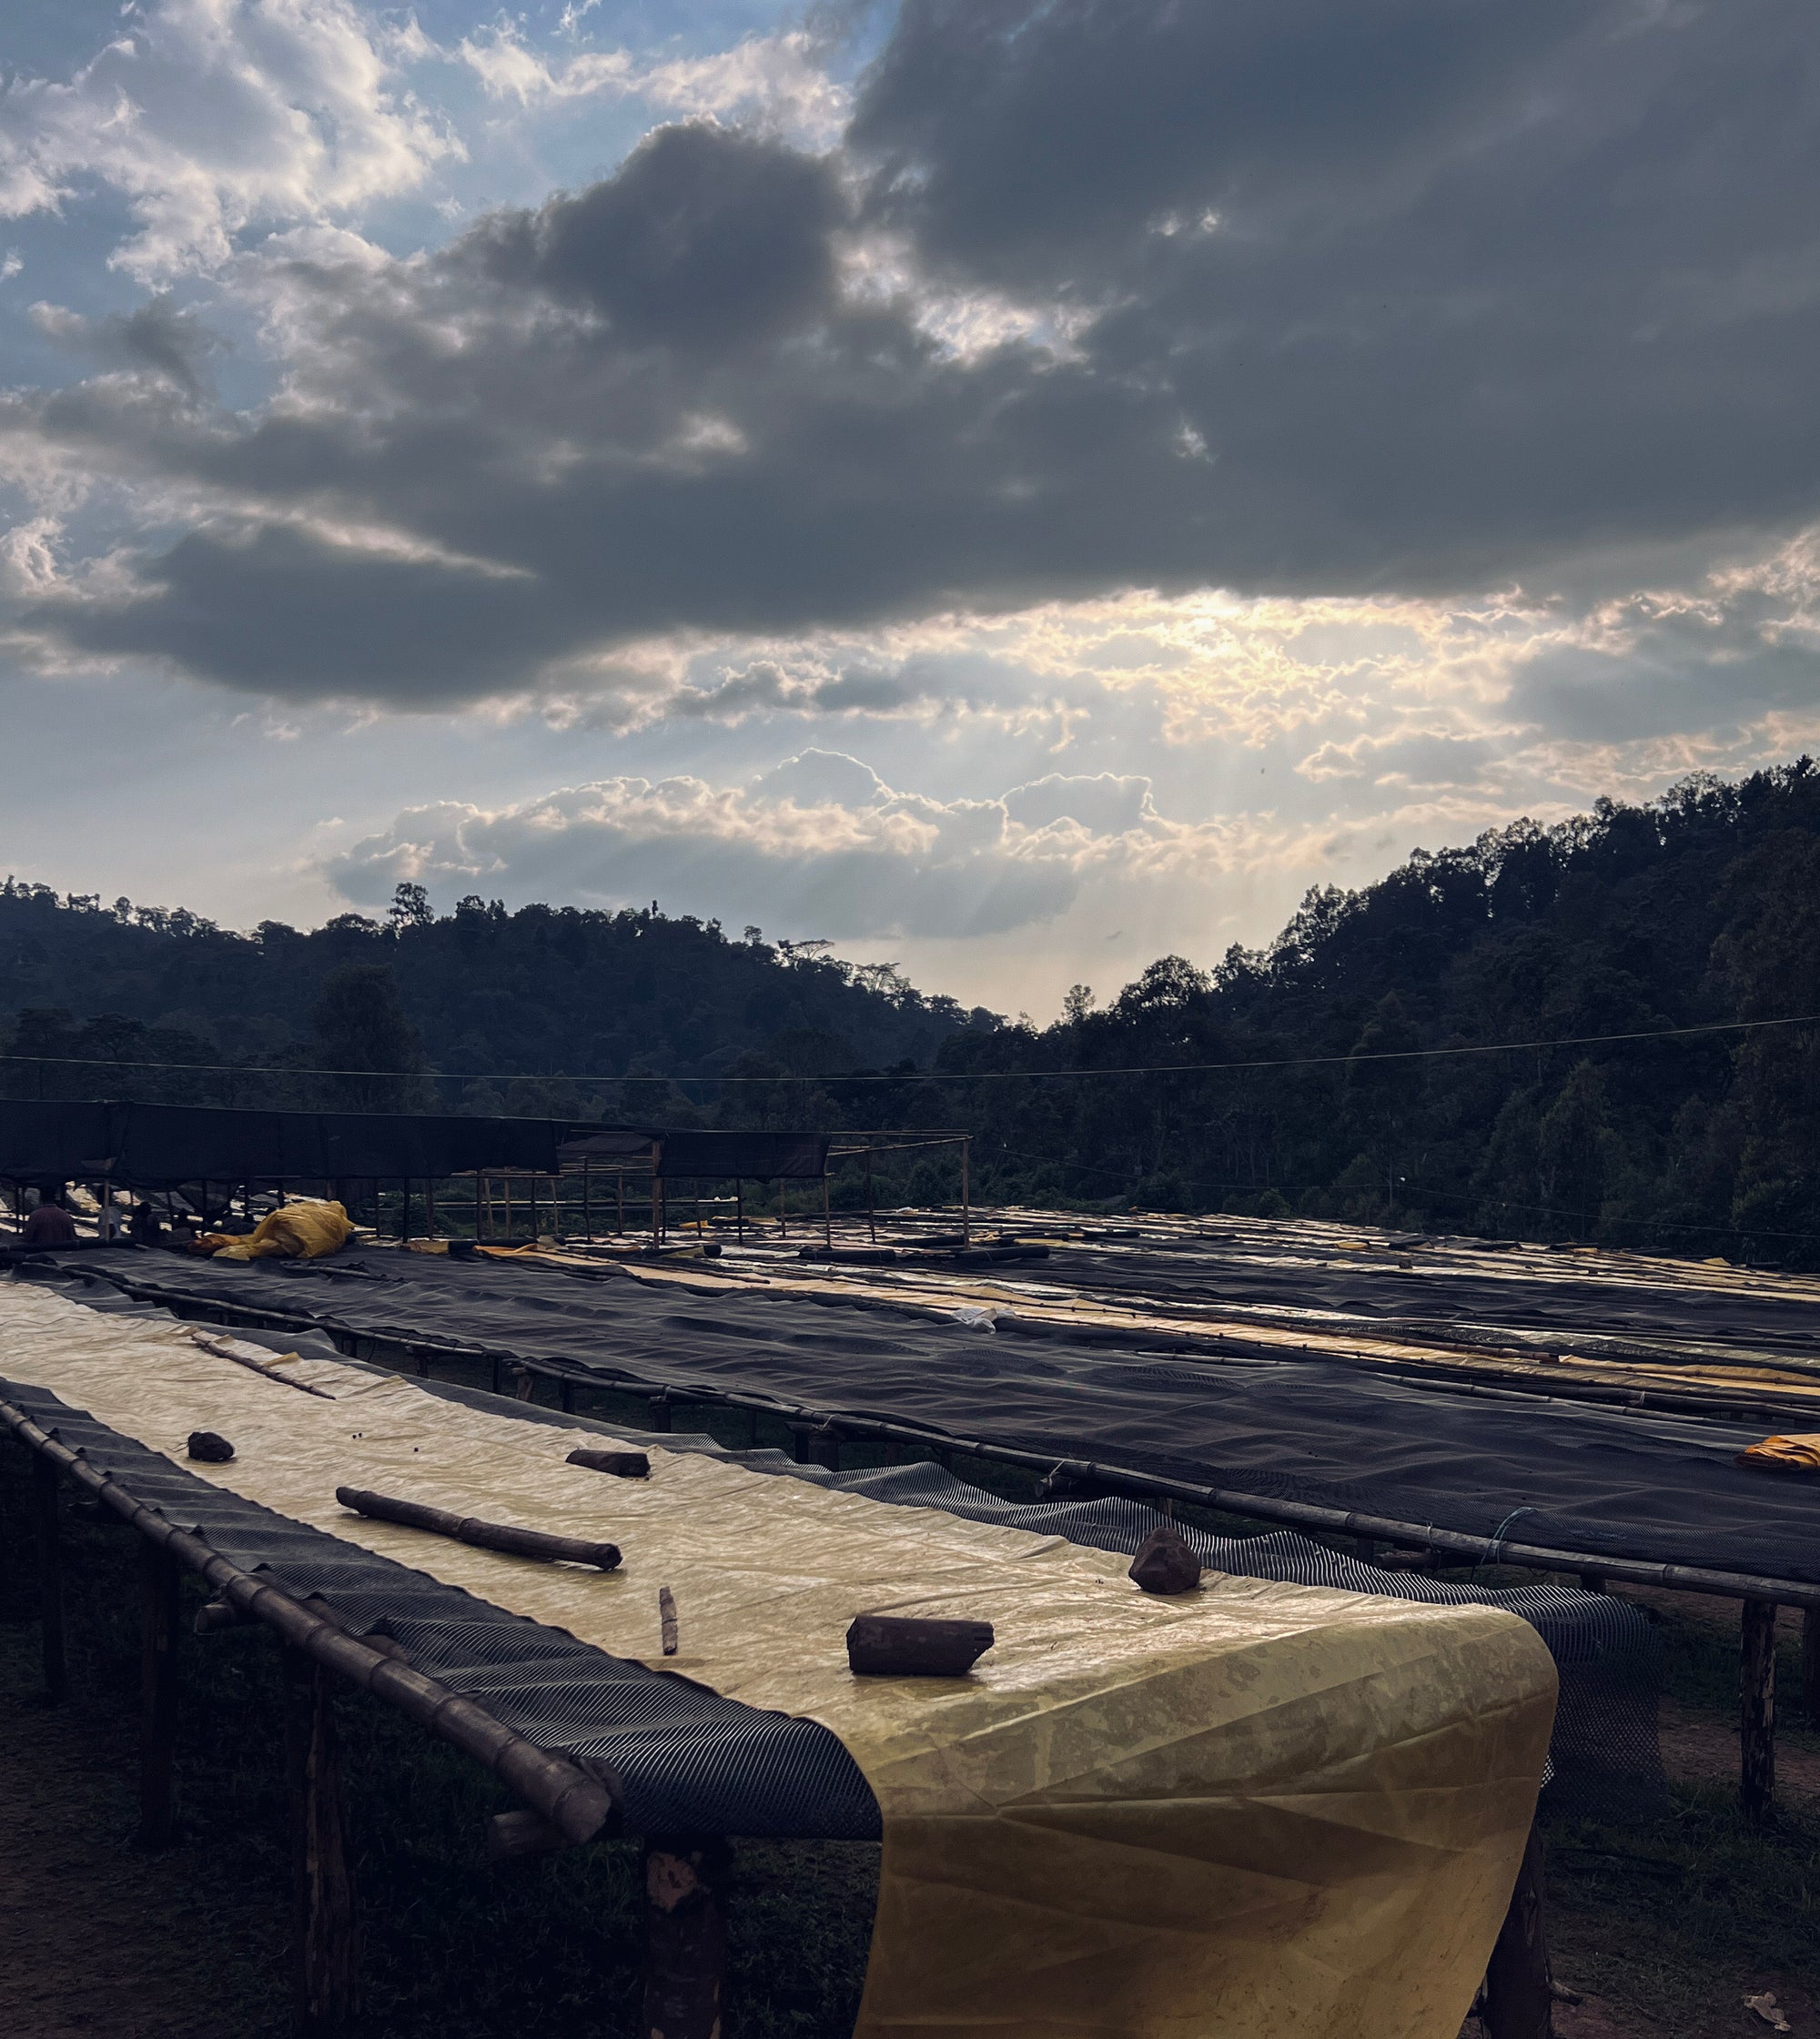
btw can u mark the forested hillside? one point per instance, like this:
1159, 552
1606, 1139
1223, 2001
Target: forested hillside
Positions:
1703, 906
546, 990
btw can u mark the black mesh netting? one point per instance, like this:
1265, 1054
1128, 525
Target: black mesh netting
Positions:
1566, 1475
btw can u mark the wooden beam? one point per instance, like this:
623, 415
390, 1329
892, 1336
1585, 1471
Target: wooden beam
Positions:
1757, 1712
1518, 1998
325, 1946
50, 1578
158, 1577
685, 1937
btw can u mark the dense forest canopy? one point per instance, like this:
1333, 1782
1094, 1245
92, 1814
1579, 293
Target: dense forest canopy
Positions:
1699, 907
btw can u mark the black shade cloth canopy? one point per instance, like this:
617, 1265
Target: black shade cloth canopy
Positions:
158, 1146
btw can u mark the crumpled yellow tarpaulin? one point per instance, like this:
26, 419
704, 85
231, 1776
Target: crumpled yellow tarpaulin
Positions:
305, 1230
1258, 1808
1798, 1453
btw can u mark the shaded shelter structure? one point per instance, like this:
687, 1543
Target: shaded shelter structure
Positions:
524, 1178
660, 1157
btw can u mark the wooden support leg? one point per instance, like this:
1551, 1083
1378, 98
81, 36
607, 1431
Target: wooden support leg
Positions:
1756, 1713
325, 1961
1518, 2000
1810, 1663
158, 1576
659, 1416
825, 1447
50, 1576
685, 1938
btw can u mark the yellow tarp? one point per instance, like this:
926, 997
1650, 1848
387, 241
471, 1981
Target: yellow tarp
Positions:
1258, 1809
299, 1231
1799, 1453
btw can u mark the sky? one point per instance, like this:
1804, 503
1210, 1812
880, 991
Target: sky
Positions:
1011, 486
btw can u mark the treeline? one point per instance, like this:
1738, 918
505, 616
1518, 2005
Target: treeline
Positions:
482, 1009
1356, 1099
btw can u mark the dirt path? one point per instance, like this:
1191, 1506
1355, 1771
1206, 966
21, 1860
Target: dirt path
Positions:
95, 1936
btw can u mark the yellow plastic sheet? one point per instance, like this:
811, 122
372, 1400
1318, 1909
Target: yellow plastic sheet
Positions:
1258, 1808
298, 1231
1797, 1453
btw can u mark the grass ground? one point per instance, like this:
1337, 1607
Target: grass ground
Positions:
1664, 1924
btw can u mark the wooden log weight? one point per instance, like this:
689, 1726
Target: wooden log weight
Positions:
1757, 1712
621, 1464
159, 1574
325, 1937
486, 1536
894, 1646
50, 1577
1518, 1997
685, 1937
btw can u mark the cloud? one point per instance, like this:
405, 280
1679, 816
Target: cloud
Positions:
1310, 301
819, 845
158, 337
779, 82
207, 116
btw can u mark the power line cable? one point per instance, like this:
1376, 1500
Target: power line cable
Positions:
921, 1076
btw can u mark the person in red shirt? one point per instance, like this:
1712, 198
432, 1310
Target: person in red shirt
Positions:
50, 1225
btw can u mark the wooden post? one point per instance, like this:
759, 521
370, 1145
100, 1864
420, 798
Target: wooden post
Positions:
739, 1209
1810, 1663
587, 1204
656, 1193
827, 1214
700, 1232
871, 1215
505, 1184
158, 1577
1756, 1713
685, 1937
782, 1212
404, 1221
430, 1207
619, 1223
325, 1958
50, 1577
1518, 2000
967, 1227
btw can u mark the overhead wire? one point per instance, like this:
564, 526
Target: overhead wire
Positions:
926, 1076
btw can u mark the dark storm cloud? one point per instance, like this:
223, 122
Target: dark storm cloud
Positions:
705, 239
1427, 296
